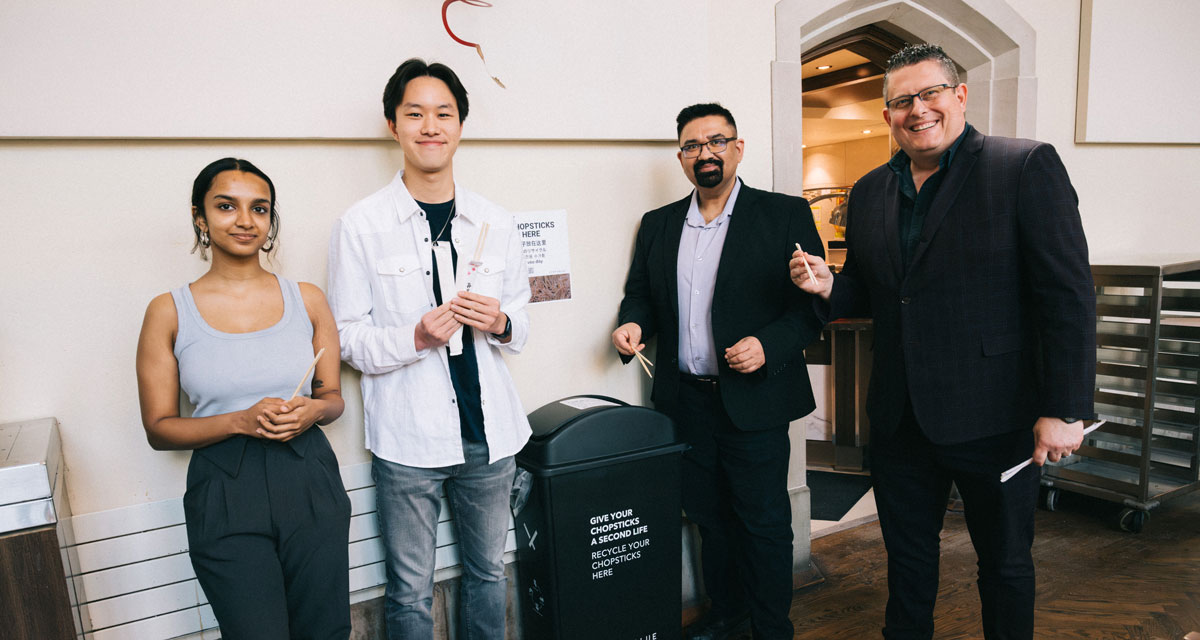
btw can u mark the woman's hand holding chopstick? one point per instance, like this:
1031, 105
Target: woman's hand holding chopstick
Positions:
289, 419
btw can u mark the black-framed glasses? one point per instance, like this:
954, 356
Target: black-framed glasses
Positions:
928, 95
716, 145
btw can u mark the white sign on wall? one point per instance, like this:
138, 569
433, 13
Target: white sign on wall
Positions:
544, 241
1111, 73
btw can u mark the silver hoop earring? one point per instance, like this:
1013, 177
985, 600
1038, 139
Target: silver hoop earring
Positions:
204, 241
269, 245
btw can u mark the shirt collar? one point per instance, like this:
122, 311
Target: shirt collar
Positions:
406, 205
901, 165
695, 219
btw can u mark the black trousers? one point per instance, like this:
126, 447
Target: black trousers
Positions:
269, 545
911, 477
735, 491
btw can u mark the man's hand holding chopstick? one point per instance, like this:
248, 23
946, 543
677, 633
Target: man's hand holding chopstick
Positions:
628, 339
435, 328
810, 273
1054, 439
478, 311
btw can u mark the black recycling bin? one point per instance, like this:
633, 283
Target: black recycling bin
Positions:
597, 518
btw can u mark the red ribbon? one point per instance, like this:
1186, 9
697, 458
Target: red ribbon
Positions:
473, 3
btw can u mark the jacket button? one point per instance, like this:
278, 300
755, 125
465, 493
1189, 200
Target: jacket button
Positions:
905, 300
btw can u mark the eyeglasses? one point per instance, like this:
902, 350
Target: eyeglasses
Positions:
716, 145
927, 96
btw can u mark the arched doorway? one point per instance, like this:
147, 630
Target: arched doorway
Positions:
987, 38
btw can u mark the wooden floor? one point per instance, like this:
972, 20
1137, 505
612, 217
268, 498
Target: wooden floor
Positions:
1094, 581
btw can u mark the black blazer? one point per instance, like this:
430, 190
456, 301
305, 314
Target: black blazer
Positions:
753, 296
994, 323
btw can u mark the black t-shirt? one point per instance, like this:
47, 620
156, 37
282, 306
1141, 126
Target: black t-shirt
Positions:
464, 369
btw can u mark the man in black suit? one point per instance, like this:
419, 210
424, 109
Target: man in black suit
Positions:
968, 253
707, 278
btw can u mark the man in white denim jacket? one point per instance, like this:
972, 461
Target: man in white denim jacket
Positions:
427, 285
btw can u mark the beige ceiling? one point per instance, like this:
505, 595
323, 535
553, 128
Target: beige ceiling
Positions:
841, 113
841, 59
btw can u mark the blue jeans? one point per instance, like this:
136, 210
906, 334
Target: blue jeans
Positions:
408, 501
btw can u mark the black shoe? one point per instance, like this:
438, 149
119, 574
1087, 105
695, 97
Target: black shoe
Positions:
713, 628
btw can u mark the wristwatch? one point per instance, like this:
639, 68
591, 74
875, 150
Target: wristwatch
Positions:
504, 335
1069, 420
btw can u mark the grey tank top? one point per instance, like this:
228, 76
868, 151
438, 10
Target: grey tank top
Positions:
225, 372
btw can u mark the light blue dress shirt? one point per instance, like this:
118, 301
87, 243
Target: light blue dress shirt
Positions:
700, 247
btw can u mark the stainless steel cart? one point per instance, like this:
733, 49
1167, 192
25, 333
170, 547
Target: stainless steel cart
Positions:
1147, 387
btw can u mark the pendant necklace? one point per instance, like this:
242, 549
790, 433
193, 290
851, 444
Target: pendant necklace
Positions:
444, 224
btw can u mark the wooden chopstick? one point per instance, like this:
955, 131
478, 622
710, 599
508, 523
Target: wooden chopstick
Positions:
479, 245
483, 231
306, 372
644, 361
806, 268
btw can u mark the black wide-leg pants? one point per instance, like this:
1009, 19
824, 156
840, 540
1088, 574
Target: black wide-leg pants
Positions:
269, 544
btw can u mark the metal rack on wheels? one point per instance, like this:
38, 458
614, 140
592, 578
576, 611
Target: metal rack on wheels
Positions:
1147, 388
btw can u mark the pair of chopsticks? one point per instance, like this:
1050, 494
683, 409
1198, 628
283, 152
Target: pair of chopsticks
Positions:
475, 261
806, 268
1007, 475
645, 362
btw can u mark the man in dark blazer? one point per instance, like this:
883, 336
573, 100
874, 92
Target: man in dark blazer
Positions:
968, 253
708, 280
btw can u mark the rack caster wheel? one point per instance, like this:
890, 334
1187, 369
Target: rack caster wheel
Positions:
1133, 520
1050, 498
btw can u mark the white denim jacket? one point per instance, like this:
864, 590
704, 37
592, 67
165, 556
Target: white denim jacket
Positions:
381, 283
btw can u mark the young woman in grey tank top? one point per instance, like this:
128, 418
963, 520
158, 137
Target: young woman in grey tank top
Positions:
267, 515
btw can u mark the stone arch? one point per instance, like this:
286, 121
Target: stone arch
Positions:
988, 38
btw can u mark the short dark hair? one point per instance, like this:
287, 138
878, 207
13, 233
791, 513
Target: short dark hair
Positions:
393, 93
916, 53
701, 111
203, 183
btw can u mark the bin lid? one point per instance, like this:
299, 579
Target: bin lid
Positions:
587, 428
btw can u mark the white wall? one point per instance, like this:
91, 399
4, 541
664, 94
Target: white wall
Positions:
90, 231
136, 59
1135, 199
